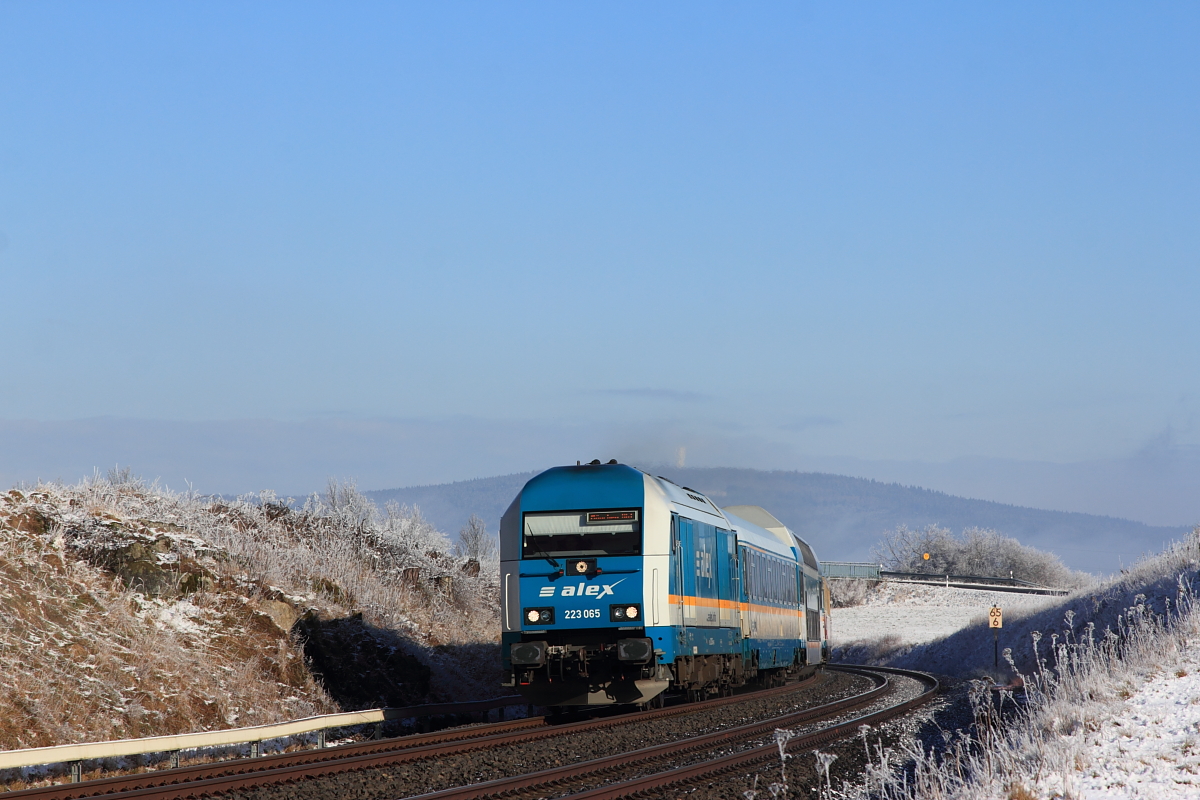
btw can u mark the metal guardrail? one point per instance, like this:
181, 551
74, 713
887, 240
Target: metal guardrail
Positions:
60, 754
972, 582
850, 569
983, 579
875, 572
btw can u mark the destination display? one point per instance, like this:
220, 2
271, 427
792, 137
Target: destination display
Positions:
611, 516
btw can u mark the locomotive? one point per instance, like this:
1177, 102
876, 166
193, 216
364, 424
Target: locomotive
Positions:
618, 586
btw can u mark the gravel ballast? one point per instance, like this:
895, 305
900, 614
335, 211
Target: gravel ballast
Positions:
406, 780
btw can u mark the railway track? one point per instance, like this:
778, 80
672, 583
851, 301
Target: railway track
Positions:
760, 756
612, 772
290, 768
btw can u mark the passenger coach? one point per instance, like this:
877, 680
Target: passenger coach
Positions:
618, 586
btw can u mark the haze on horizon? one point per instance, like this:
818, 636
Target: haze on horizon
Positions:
249, 246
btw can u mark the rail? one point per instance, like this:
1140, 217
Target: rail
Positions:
738, 762
190, 782
66, 753
608, 770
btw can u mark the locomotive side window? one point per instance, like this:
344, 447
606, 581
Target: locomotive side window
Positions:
582, 533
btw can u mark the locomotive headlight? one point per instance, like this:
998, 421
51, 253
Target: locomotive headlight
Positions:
583, 566
626, 612
539, 616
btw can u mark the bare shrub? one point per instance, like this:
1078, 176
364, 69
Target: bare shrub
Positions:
847, 592
475, 542
870, 651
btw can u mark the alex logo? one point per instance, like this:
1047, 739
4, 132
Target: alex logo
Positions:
582, 589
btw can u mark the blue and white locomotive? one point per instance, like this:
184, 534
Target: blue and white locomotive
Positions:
618, 586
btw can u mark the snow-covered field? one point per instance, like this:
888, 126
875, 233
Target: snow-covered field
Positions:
1149, 744
915, 613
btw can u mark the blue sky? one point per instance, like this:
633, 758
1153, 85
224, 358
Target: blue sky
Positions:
767, 233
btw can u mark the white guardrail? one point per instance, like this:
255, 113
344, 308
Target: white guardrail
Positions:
259, 733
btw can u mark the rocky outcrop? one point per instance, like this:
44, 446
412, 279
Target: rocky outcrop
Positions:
146, 560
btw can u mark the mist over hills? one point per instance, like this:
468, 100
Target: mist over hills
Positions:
842, 517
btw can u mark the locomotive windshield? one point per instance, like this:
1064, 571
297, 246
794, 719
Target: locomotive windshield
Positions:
582, 533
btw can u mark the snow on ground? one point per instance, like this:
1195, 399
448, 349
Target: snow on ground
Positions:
181, 615
1149, 744
917, 613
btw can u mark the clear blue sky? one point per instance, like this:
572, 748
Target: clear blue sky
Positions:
917, 232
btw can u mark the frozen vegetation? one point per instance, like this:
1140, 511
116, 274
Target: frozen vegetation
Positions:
935, 550
133, 611
1097, 695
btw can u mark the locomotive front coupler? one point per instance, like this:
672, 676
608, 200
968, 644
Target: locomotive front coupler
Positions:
564, 658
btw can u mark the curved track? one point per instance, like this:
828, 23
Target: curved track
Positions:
567, 780
650, 785
286, 768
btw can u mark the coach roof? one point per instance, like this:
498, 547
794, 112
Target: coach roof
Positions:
767, 521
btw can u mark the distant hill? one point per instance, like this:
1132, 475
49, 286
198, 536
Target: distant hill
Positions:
842, 517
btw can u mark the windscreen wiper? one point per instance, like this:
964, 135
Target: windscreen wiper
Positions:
542, 550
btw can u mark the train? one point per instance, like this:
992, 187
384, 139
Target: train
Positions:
621, 587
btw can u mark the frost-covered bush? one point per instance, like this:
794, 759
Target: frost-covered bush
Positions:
391, 565
476, 543
977, 551
847, 592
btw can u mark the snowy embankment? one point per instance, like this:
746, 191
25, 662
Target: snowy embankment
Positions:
1147, 745
896, 615
1097, 695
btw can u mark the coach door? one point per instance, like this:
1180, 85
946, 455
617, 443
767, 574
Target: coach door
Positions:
802, 615
677, 574
727, 589
743, 568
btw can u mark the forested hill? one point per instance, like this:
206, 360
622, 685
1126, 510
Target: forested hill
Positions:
842, 517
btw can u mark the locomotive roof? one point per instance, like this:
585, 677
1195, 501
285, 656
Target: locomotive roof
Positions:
570, 487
